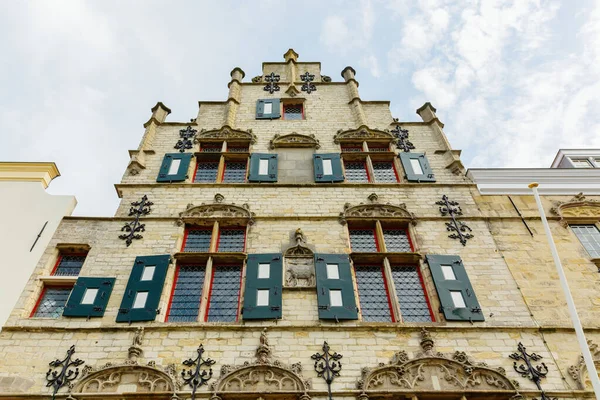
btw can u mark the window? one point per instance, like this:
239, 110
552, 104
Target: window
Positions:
369, 162
351, 148
231, 240
581, 163
187, 293
293, 111
234, 172
363, 240
373, 294
356, 171
52, 302
211, 147
69, 265
206, 171
410, 290
200, 240
197, 240
378, 147
385, 172
222, 162
239, 148
589, 236
396, 240
224, 295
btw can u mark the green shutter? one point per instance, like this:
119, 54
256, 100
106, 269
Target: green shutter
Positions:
273, 284
445, 287
181, 174
260, 109
74, 308
414, 176
153, 287
255, 175
344, 284
336, 168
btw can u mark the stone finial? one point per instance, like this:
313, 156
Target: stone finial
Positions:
427, 112
299, 236
160, 112
426, 341
138, 337
348, 73
290, 55
238, 74
135, 351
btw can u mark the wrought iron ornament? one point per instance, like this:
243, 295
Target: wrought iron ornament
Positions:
327, 366
528, 370
138, 209
58, 379
402, 141
308, 86
185, 142
196, 377
460, 229
272, 85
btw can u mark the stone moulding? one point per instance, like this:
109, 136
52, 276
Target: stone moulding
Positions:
216, 211
225, 133
577, 210
377, 211
363, 132
579, 372
294, 140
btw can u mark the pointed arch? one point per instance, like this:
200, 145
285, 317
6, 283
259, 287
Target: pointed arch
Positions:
361, 133
225, 133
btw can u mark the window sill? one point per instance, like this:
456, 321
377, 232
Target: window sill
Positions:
58, 280
597, 262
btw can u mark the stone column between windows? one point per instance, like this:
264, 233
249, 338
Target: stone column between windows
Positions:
391, 290
380, 239
352, 86
221, 169
205, 290
214, 238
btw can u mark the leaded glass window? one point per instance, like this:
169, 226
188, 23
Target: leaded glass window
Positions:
52, 303
363, 240
589, 236
396, 240
384, 171
351, 148
69, 265
224, 294
292, 111
211, 148
198, 240
356, 171
237, 149
411, 294
185, 302
206, 171
235, 172
372, 293
231, 240
378, 148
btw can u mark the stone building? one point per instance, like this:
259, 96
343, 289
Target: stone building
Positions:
290, 225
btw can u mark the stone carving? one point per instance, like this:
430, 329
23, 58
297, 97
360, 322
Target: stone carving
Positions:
578, 209
126, 378
376, 210
135, 351
216, 210
299, 262
263, 352
579, 373
433, 371
225, 133
257, 79
294, 140
325, 78
362, 132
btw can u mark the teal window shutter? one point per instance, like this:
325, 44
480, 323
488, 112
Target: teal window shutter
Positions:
143, 291
263, 167
264, 281
454, 289
416, 167
335, 291
89, 297
268, 109
174, 167
328, 167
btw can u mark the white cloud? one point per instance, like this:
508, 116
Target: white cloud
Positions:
335, 33
372, 64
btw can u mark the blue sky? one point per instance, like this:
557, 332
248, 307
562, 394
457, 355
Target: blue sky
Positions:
513, 80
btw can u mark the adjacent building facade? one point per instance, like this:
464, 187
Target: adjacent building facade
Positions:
294, 242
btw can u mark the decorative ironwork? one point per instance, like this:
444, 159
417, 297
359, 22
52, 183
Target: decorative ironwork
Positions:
327, 366
308, 86
528, 370
196, 377
58, 379
272, 85
460, 229
402, 139
138, 209
185, 142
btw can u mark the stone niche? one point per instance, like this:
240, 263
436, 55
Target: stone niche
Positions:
299, 261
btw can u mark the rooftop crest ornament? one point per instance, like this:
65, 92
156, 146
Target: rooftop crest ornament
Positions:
308, 86
528, 370
196, 377
272, 85
327, 366
58, 379
138, 209
185, 142
402, 139
460, 229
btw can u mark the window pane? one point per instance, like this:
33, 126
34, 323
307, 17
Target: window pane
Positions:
589, 236
52, 303
206, 171
89, 296
237, 149
292, 111
264, 271
231, 240
211, 148
148, 273
374, 302
268, 109
263, 167
235, 172
140, 300
224, 295
448, 273
378, 148
327, 167
396, 240
351, 148
262, 297
581, 163
416, 166
363, 240
410, 292
384, 172
185, 303
457, 299
335, 298
69, 265
356, 172
333, 271
198, 240
174, 167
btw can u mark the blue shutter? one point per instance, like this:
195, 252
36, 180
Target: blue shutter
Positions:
74, 306
262, 107
342, 287
411, 174
255, 283
271, 175
178, 176
336, 168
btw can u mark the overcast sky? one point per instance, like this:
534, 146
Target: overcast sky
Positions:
512, 80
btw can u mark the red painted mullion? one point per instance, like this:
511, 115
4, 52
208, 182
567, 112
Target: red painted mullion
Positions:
237, 313
410, 242
376, 241
185, 236
37, 303
58, 260
223, 173
395, 172
196, 170
367, 171
172, 292
387, 291
302, 108
218, 240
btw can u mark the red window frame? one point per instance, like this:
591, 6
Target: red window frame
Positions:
59, 259
195, 228
244, 228
393, 168
292, 104
41, 296
377, 246
196, 170
212, 278
385, 285
172, 293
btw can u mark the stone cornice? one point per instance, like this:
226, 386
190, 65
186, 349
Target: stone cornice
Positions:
42, 172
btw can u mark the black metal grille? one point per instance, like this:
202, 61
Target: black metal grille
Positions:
378, 148
396, 240
185, 303
206, 171
384, 172
351, 148
363, 240
356, 172
589, 236
292, 111
235, 172
372, 293
238, 149
411, 295
69, 265
211, 148
224, 294
198, 240
52, 303
231, 240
